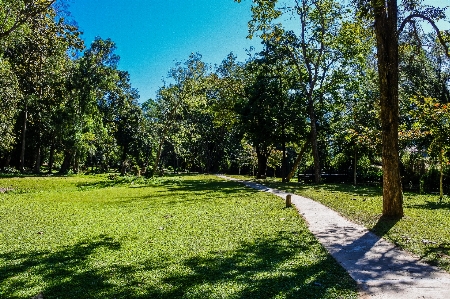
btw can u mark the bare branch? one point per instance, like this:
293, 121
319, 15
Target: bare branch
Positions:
410, 19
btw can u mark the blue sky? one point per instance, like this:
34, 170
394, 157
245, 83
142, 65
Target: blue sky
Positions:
151, 35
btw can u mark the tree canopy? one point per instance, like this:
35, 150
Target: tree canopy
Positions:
356, 89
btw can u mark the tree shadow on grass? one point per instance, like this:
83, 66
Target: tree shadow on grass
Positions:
172, 183
294, 187
60, 274
208, 185
185, 192
104, 182
431, 205
263, 268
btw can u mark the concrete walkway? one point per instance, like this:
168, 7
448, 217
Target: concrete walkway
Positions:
380, 269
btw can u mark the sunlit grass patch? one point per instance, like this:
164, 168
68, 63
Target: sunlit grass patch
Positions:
424, 230
171, 237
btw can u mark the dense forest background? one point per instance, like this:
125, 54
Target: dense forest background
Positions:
308, 103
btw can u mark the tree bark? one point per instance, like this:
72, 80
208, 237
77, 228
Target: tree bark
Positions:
284, 164
387, 53
441, 177
123, 170
158, 156
37, 165
76, 162
297, 161
7, 161
51, 157
262, 163
314, 143
66, 162
24, 131
355, 164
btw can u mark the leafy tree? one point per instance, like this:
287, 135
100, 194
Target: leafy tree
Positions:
94, 76
130, 132
10, 96
354, 124
275, 160
246, 157
37, 62
424, 97
258, 113
174, 100
226, 86
387, 31
433, 121
16, 13
311, 48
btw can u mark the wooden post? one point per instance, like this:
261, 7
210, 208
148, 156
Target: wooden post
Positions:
288, 201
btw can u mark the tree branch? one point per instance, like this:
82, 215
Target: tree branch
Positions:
409, 19
24, 16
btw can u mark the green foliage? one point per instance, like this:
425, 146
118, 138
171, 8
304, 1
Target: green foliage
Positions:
16, 14
275, 159
368, 171
429, 181
172, 237
65, 108
10, 95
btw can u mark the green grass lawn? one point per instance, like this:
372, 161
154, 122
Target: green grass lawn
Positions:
173, 237
424, 230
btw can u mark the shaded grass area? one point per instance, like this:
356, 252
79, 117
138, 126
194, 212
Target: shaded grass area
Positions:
424, 230
173, 237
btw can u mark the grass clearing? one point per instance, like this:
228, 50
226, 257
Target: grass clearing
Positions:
423, 231
173, 237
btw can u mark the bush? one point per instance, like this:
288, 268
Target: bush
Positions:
368, 172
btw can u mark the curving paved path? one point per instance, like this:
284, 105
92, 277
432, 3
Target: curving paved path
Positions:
380, 269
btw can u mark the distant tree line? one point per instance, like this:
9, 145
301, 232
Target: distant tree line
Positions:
63, 106
313, 103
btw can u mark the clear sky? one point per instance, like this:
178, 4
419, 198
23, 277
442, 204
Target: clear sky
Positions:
151, 35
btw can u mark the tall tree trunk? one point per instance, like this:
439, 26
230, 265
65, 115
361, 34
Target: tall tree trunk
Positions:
66, 162
51, 157
297, 161
283, 164
24, 130
262, 163
207, 158
76, 163
314, 142
37, 165
441, 178
123, 169
284, 160
7, 161
355, 164
387, 53
158, 155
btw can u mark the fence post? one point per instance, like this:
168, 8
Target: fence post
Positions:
288, 201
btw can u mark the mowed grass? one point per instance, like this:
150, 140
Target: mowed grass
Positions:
174, 237
424, 230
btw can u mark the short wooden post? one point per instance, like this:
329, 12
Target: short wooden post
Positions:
288, 201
